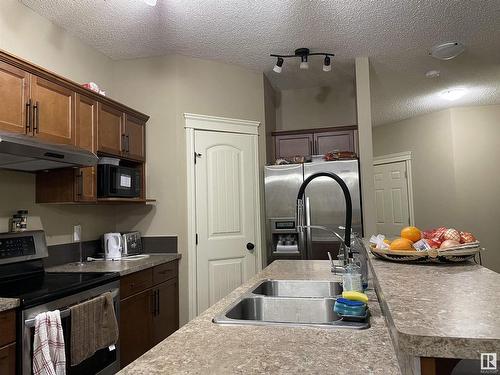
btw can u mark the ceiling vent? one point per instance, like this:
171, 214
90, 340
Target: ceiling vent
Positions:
447, 51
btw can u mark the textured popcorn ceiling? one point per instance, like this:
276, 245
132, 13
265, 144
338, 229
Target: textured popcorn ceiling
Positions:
395, 34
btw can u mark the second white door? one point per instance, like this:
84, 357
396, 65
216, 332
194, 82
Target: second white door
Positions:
391, 198
225, 213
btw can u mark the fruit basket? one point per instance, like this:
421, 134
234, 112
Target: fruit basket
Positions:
454, 254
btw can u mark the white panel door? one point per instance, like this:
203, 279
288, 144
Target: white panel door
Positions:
225, 213
391, 198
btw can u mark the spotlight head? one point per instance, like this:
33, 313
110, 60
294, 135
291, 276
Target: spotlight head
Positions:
278, 67
303, 62
327, 64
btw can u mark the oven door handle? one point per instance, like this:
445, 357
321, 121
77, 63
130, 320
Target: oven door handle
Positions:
30, 323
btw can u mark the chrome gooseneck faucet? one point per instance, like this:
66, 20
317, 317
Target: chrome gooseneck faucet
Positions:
348, 204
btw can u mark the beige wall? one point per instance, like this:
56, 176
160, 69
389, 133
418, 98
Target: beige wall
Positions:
476, 144
34, 38
318, 107
364, 115
166, 88
428, 137
455, 156
270, 104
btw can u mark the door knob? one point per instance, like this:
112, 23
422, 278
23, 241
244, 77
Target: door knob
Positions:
250, 246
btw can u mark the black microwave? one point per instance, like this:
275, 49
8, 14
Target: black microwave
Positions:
118, 181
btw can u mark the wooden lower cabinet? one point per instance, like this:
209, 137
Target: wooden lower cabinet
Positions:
8, 342
135, 326
149, 310
166, 318
8, 359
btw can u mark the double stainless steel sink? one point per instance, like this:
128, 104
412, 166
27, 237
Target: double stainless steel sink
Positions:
289, 302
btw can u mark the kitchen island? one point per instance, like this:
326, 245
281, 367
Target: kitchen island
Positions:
439, 311
203, 347
432, 313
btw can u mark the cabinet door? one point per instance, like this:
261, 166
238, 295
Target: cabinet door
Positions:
293, 145
166, 316
109, 130
53, 111
334, 141
14, 96
134, 138
8, 359
135, 326
85, 131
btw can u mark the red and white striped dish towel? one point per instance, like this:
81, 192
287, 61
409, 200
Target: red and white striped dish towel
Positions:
49, 357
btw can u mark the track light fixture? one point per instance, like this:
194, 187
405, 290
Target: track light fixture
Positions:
326, 64
279, 64
304, 54
303, 62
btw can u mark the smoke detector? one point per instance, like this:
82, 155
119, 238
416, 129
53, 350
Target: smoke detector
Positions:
447, 51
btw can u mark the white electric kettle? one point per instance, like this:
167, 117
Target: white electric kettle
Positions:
112, 243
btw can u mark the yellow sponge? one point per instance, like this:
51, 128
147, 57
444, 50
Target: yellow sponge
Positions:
355, 296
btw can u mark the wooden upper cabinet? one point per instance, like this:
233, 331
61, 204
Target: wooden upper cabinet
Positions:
334, 141
293, 145
86, 138
53, 111
109, 130
14, 97
134, 147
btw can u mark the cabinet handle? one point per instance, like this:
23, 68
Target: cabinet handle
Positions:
80, 183
128, 143
158, 301
123, 143
153, 303
36, 118
28, 116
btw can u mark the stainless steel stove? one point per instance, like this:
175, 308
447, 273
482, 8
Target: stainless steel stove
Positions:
22, 276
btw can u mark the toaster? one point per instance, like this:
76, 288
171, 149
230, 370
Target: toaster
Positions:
132, 243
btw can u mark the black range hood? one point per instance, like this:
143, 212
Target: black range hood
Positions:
28, 154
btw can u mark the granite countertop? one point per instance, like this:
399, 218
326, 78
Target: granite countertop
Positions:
8, 303
440, 310
124, 267
202, 347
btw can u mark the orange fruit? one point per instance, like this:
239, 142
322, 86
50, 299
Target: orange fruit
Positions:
401, 244
411, 233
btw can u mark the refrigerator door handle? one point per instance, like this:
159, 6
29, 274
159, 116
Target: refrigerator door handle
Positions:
307, 208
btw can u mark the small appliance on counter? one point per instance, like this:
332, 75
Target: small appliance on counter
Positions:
132, 243
115, 180
112, 246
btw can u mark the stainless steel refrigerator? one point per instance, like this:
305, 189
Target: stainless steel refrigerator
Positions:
325, 206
